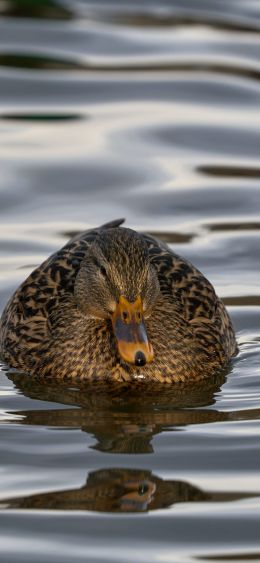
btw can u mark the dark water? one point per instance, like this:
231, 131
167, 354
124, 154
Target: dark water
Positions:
148, 110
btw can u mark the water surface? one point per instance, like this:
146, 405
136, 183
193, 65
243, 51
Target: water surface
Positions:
150, 111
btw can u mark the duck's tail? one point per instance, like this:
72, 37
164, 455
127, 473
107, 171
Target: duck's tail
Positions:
83, 235
112, 224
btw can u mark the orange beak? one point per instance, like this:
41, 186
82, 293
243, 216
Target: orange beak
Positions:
130, 332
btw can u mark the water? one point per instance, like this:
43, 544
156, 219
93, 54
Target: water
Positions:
148, 110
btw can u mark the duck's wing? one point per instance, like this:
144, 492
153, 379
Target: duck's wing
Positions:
201, 307
180, 280
30, 314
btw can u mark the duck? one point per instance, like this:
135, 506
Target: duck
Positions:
116, 305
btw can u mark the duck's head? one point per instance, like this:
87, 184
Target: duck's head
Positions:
117, 281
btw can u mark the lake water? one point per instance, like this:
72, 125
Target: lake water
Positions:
148, 110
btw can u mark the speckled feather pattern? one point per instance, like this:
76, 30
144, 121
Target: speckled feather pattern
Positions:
43, 332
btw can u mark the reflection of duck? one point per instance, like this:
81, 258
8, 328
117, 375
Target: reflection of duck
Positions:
117, 305
115, 490
123, 490
122, 420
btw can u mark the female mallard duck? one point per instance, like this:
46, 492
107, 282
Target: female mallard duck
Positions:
114, 304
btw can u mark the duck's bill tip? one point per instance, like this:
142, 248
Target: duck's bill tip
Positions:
130, 332
135, 353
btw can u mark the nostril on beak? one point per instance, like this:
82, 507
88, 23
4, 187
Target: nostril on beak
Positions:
140, 359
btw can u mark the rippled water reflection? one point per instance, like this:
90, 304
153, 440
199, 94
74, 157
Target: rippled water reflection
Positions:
150, 111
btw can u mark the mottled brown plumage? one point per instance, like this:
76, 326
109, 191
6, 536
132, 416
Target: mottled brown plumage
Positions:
58, 323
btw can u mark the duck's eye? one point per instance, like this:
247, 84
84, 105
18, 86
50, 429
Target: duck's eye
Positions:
103, 271
143, 488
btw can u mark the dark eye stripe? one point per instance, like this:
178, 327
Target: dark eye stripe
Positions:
95, 262
99, 266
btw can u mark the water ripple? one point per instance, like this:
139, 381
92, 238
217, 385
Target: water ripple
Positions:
150, 111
